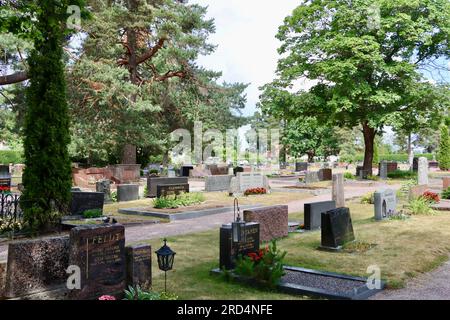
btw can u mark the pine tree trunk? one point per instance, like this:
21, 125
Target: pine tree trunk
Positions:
129, 150
369, 138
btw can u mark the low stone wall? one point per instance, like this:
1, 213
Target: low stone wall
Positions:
120, 173
273, 221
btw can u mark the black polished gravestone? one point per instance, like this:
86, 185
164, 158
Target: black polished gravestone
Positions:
237, 170
153, 182
164, 190
185, 170
313, 213
99, 252
139, 266
301, 166
230, 251
82, 201
337, 229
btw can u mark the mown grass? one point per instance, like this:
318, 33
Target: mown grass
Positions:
401, 248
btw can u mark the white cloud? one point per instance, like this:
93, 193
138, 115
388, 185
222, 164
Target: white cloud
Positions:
245, 35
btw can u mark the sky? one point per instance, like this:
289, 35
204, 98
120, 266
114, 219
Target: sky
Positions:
247, 47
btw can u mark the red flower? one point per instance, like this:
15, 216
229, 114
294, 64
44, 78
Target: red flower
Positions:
431, 196
106, 297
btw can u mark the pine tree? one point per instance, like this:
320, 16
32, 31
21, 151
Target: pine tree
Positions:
444, 149
47, 176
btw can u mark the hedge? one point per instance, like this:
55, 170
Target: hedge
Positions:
11, 156
401, 157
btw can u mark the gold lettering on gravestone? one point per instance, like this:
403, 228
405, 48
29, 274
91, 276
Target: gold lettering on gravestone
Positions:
102, 254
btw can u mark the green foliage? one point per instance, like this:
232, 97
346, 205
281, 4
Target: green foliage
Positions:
114, 196
376, 156
421, 206
403, 192
368, 198
10, 156
94, 213
176, 201
373, 178
402, 174
139, 294
47, 177
446, 194
401, 157
349, 176
265, 266
444, 149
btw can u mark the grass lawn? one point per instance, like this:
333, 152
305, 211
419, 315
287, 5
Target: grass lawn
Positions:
403, 249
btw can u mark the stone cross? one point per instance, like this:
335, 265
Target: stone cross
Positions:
338, 190
423, 172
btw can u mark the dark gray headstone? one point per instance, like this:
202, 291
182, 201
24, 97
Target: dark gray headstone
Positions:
99, 251
325, 174
139, 266
127, 192
313, 213
238, 170
385, 204
337, 228
185, 170
104, 186
415, 164
36, 266
164, 190
82, 201
229, 251
301, 166
153, 182
5, 176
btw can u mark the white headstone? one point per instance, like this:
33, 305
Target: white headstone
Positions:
385, 204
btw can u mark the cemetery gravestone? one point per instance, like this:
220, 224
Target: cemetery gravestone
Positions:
153, 182
82, 201
423, 171
433, 165
238, 170
385, 203
445, 183
251, 180
313, 213
185, 170
417, 191
217, 183
325, 174
164, 190
383, 170
36, 266
229, 251
338, 190
311, 177
337, 228
99, 252
139, 266
5, 176
104, 186
301, 166
415, 164
127, 192
273, 221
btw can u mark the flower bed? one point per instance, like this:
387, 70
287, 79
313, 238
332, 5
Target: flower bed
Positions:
254, 191
431, 197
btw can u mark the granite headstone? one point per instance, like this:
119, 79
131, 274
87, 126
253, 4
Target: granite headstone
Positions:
313, 213
337, 228
164, 190
385, 203
82, 201
139, 266
127, 192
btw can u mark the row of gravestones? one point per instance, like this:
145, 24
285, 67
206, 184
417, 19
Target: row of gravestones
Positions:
91, 262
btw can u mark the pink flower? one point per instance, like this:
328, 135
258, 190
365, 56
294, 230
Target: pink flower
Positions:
106, 297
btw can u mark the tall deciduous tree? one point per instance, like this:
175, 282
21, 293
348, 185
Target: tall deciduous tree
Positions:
363, 56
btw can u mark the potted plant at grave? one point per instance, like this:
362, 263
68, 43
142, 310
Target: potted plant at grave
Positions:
265, 267
153, 173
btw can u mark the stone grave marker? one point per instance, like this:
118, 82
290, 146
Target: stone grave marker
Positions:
217, 183
185, 170
139, 266
338, 190
417, 191
251, 180
337, 228
82, 201
236, 170
415, 164
104, 186
445, 183
301, 166
311, 177
325, 174
313, 213
164, 190
36, 266
229, 251
273, 221
99, 252
423, 172
153, 182
127, 192
385, 204
383, 170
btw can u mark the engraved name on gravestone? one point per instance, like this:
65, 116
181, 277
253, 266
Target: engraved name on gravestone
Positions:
385, 203
337, 228
301, 166
164, 190
99, 252
229, 251
153, 182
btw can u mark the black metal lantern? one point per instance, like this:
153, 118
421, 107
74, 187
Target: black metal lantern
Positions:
238, 226
165, 260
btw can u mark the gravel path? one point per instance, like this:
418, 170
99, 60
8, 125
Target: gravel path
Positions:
433, 285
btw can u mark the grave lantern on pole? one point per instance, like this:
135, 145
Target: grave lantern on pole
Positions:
165, 260
238, 226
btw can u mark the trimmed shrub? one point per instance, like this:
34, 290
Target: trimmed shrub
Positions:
400, 174
93, 213
444, 149
11, 156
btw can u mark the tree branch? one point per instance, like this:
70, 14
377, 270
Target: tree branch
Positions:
150, 53
13, 78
